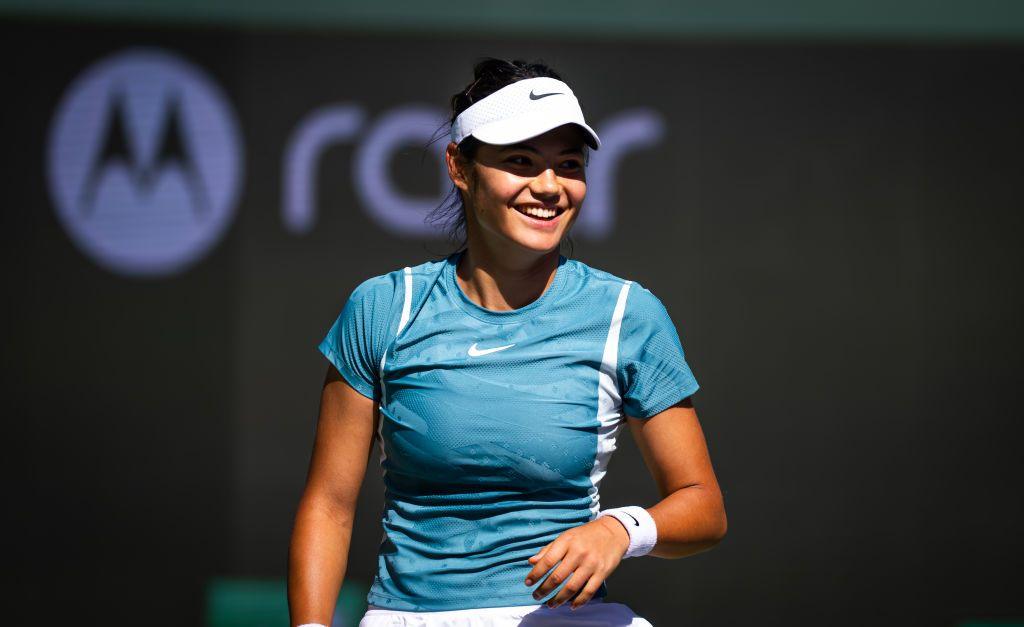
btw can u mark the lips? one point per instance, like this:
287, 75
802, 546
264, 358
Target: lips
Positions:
542, 214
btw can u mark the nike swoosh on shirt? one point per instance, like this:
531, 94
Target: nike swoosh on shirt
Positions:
534, 96
475, 352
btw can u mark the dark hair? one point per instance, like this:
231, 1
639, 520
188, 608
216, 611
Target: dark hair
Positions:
489, 75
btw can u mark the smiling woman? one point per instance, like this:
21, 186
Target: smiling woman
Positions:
495, 382
541, 179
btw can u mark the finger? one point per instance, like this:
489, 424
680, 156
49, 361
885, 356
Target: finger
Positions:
534, 574
573, 585
539, 554
557, 576
551, 558
552, 554
588, 592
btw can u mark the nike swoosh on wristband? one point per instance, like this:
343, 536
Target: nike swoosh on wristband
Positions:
534, 96
635, 521
475, 352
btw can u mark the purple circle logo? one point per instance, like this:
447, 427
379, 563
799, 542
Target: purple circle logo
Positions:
144, 163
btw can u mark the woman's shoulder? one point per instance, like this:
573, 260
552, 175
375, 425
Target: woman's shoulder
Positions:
598, 275
638, 302
385, 285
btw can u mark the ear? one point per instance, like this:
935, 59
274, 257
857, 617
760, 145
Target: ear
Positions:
457, 166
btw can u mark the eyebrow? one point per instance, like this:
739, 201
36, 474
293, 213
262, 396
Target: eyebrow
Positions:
530, 148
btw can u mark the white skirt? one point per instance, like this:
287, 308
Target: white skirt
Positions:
595, 613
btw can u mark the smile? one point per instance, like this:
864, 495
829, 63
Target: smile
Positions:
541, 213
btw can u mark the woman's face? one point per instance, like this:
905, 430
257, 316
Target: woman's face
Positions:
543, 175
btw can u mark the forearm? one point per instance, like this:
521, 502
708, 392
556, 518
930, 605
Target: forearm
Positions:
317, 559
690, 520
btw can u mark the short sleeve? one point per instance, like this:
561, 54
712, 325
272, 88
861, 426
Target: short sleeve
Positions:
355, 341
652, 370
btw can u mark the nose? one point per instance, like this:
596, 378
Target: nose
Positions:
546, 184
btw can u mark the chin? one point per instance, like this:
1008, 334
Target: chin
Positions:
540, 245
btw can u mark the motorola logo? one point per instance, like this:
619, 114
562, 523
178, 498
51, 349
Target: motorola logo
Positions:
144, 163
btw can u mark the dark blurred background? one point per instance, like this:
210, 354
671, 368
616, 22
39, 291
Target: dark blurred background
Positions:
826, 196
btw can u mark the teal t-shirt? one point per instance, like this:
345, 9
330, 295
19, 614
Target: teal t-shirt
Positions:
496, 427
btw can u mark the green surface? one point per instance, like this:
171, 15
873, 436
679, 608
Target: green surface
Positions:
843, 19
264, 603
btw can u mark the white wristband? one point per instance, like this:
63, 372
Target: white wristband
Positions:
643, 533
312, 625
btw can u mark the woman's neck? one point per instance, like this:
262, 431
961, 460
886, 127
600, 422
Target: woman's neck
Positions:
499, 283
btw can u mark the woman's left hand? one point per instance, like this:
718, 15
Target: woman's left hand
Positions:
585, 555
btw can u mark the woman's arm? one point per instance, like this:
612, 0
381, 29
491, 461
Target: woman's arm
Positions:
323, 523
691, 515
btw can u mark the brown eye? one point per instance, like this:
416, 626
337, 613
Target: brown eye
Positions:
518, 160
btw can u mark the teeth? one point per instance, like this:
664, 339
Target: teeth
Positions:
539, 212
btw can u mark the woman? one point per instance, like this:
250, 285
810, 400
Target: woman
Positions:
496, 382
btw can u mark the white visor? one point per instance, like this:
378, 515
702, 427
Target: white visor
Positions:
522, 110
